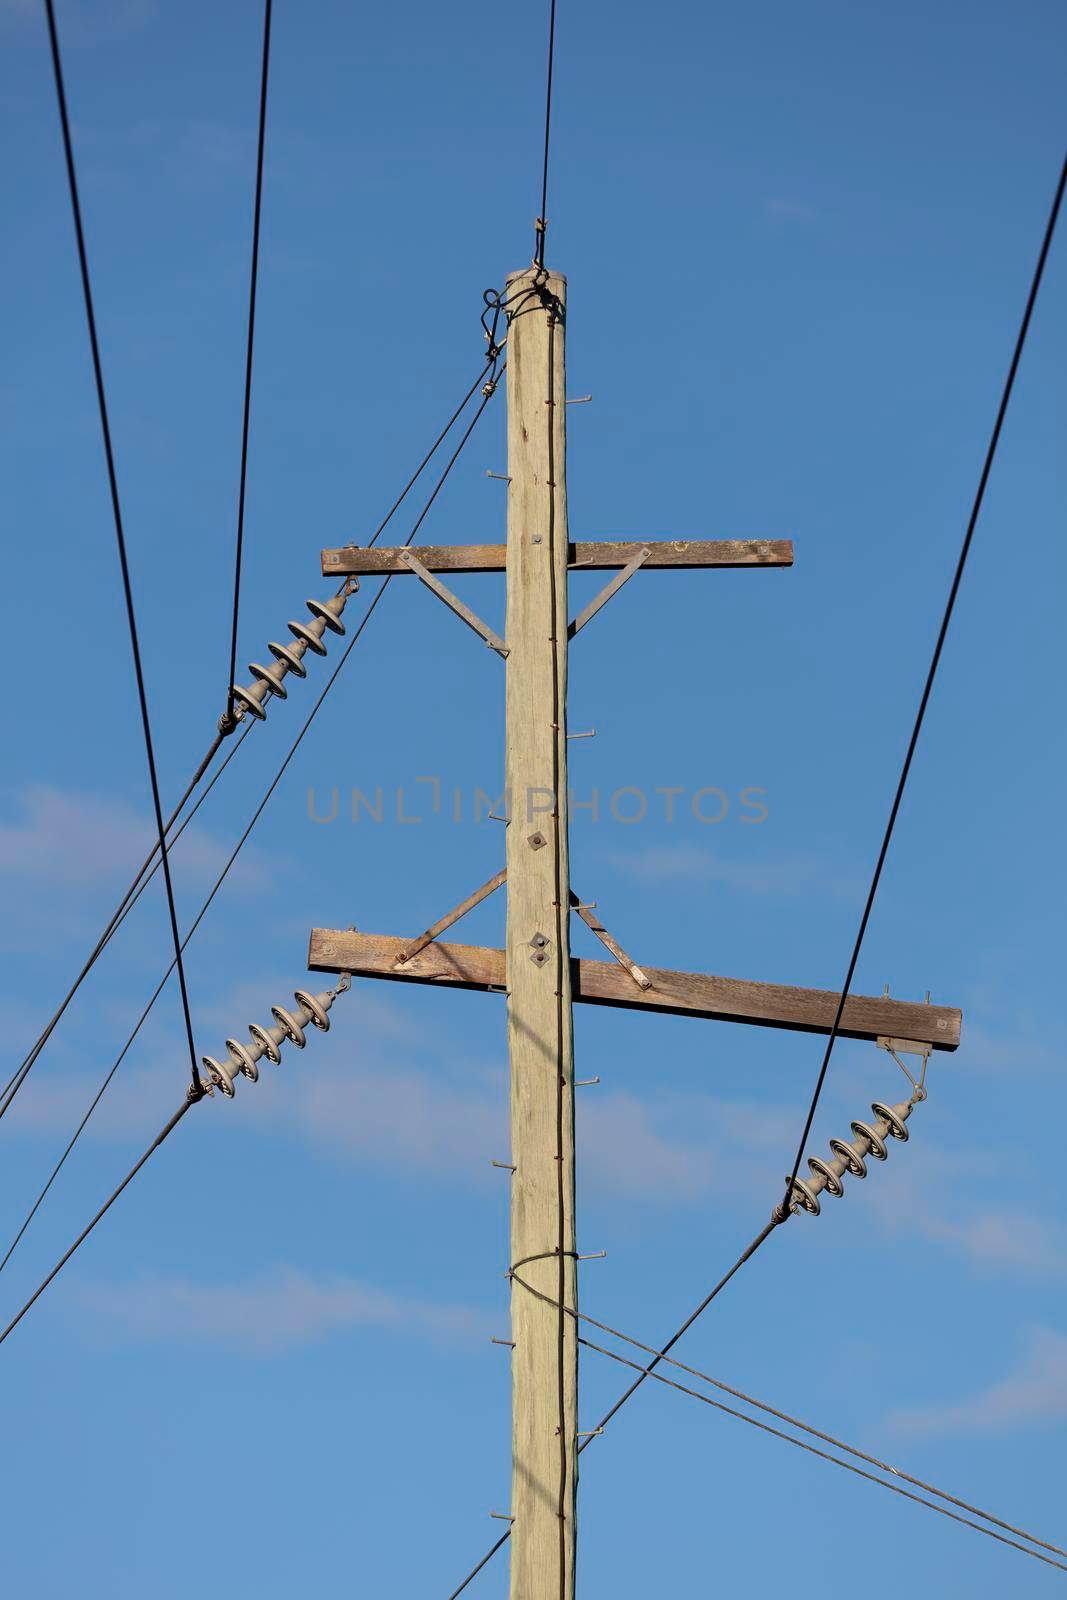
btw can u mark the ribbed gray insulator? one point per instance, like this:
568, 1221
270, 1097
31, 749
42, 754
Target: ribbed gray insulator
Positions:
870, 1140
251, 699
241, 1059
853, 1155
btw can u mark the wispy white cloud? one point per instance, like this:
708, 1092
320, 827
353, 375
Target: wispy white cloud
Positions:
58, 1090
402, 1117
380, 1112
667, 1149
66, 839
382, 1091
1012, 1054
785, 210
52, 1104
1018, 1241
88, 24
991, 1238
268, 1314
1033, 1393
789, 876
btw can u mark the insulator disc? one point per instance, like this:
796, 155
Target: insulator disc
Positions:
290, 1024
834, 1186
897, 1126
807, 1195
877, 1143
322, 610
282, 652
247, 1061
219, 1076
300, 630
271, 677
318, 1013
249, 702
856, 1164
261, 1036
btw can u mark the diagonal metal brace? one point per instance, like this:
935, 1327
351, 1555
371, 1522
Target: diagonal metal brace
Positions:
454, 603
450, 917
592, 921
636, 560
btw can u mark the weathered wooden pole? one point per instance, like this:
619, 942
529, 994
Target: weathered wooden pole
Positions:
545, 1355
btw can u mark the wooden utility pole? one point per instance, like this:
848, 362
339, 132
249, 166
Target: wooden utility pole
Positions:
536, 967
544, 1360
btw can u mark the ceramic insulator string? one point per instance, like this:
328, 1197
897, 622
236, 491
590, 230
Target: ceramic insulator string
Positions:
242, 1060
251, 699
870, 1140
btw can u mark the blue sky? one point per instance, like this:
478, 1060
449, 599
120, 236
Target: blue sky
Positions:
798, 243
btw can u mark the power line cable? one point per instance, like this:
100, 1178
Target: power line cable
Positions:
488, 367
935, 662
782, 1211
649, 1371
194, 1093
79, 1130
541, 225
746, 1255
782, 1416
824, 1455
127, 589
135, 889
487, 393
118, 916
239, 542
484, 1562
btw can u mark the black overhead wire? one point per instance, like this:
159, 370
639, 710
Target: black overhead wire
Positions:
194, 1093
645, 1373
484, 1562
137, 887
825, 1455
76, 1135
120, 536
488, 368
661, 1355
488, 389
145, 873
542, 221
935, 660
239, 542
783, 1211
773, 1411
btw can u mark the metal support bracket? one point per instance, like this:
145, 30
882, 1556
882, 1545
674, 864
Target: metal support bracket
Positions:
588, 915
454, 603
451, 917
638, 559
908, 1047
